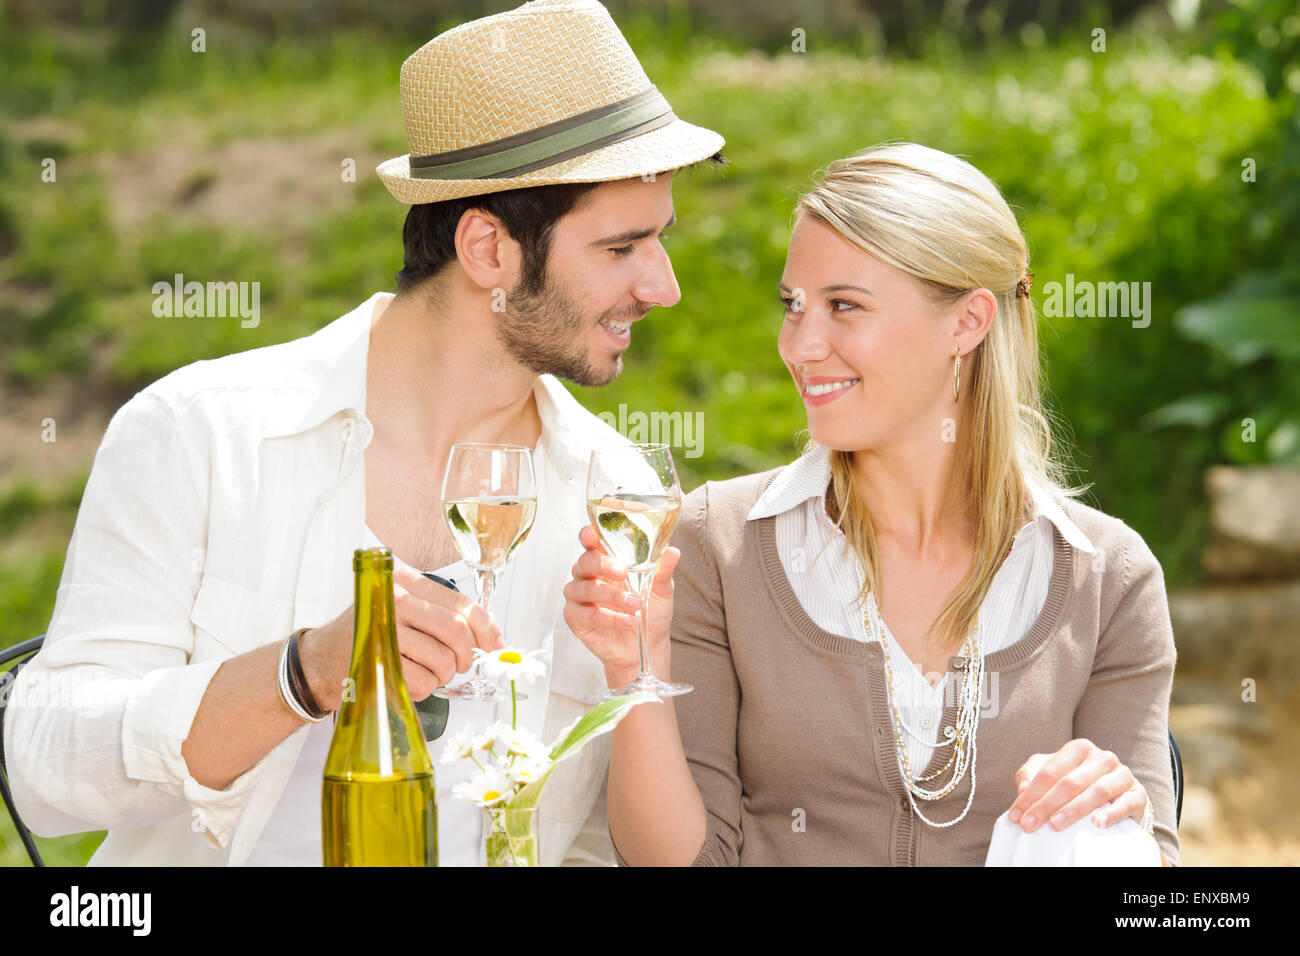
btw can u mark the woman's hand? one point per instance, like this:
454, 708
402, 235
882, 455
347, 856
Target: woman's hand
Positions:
1063, 787
602, 611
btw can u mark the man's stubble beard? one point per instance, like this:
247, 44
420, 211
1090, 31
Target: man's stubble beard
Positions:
547, 333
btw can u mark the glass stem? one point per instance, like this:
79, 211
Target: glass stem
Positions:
487, 585
642, 583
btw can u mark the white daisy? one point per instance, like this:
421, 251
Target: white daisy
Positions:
491, 738
510, 663
487, 789
459, 745
521, 742
525, 770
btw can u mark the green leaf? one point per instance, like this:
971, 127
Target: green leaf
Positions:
1283, 445
1200, 411
601, 719
1258, 315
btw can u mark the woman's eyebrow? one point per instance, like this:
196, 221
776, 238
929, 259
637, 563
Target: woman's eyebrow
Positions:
838, 287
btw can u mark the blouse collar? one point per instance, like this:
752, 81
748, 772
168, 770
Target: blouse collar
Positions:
806, 479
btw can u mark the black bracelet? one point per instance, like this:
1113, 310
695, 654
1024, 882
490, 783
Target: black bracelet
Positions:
298, 680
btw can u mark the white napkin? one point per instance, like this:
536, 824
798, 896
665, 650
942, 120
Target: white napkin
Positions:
1080, 844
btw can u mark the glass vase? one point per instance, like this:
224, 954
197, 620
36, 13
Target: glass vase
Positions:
511, 836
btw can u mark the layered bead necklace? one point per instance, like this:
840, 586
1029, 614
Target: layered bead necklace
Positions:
960, 738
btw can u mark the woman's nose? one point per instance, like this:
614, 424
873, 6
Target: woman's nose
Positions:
806, 341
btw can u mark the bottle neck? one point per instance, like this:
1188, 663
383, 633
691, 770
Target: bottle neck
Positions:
374, 623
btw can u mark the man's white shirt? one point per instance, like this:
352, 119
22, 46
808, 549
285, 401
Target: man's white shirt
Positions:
222, 512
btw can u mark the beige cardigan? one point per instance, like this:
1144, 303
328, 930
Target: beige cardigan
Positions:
789, 732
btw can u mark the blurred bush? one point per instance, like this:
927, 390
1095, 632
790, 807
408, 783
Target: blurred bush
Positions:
1250, 396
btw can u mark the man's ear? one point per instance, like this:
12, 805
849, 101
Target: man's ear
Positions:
490, 258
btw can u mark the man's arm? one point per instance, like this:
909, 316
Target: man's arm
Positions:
96, 723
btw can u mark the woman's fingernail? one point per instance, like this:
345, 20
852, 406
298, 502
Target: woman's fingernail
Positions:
1099, 819
1014, 816
1022, 785
1029, 821
632, 601
1058, 821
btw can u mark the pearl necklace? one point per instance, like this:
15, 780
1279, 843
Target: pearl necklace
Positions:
962, 739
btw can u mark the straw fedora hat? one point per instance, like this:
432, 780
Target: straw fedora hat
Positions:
546, 93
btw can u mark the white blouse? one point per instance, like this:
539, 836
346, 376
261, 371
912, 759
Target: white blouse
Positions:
827, 584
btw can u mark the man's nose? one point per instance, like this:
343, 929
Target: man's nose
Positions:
658, 285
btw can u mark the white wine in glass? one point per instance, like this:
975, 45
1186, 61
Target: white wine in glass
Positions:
633, 501
635, 528
487, 530
489, 501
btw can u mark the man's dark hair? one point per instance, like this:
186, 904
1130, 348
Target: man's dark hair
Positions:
529, 215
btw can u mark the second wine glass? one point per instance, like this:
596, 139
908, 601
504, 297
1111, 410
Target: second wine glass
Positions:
633, 500
489, 501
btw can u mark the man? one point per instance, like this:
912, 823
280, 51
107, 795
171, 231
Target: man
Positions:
227, 498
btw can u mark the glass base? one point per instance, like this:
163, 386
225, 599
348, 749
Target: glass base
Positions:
649, 684
471, 690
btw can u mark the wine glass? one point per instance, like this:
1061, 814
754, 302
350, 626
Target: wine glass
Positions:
634, 500
489, 501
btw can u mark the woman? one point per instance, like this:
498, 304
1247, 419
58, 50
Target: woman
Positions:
912, 641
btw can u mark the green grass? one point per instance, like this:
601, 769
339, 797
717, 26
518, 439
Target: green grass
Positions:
72, 850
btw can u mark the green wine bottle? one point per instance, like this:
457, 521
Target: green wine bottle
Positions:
377, 803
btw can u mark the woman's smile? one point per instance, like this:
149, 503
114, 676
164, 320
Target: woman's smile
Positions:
822, 390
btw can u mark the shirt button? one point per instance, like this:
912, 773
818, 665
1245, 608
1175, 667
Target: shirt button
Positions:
927, 723
904, 805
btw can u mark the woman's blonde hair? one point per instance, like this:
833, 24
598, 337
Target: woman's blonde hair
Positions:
940, 220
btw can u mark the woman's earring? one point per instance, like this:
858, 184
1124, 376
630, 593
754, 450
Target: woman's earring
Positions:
956, 374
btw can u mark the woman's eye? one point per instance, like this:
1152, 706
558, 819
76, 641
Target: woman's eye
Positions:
836, 303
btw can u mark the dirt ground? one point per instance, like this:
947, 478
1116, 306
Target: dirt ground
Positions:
1245, 813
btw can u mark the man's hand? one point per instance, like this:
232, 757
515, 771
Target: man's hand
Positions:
602, 611
437, 631
1063, 787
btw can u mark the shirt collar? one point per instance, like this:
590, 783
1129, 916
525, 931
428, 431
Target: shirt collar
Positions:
328, 376
807, 477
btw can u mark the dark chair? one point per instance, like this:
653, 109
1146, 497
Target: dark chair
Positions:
19, 653
1176, 759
